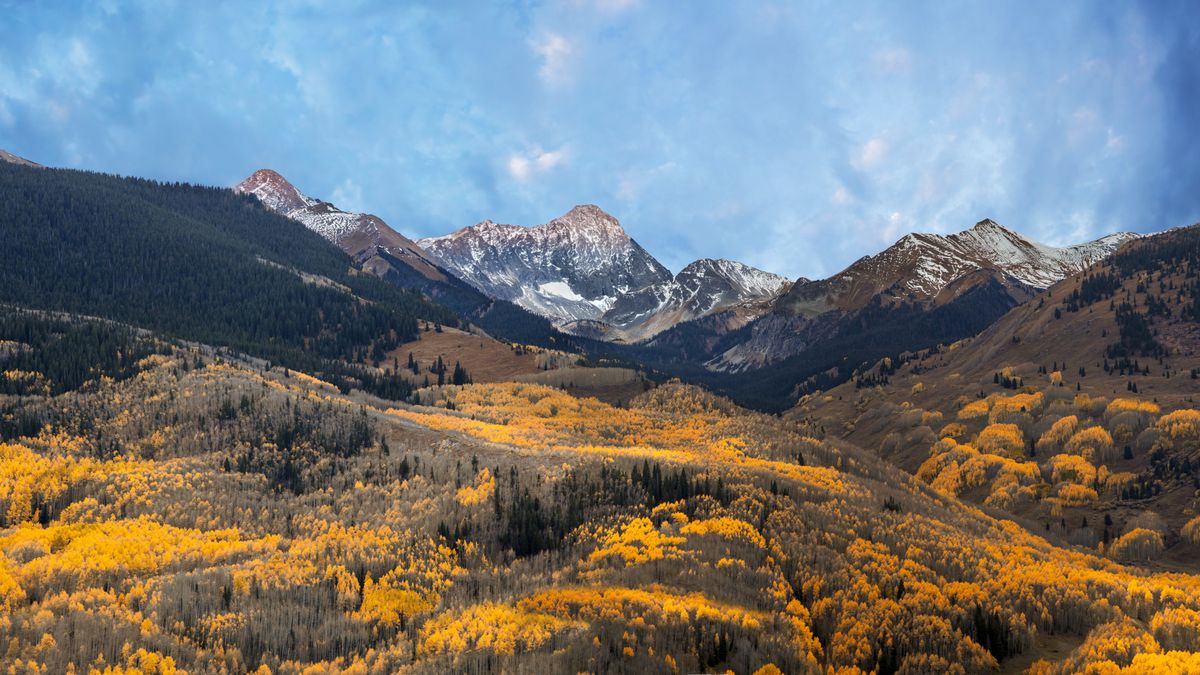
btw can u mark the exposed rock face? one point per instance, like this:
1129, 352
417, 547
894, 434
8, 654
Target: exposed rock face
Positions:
584, 272
574, 267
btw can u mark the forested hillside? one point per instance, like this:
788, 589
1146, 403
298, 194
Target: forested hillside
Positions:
198, 263
209, 515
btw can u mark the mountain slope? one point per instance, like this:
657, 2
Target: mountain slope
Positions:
905, 298
919, 266
1141, 304
573, 267
926, 270
1115, 347
274, 524
199, 263
6, 156
361, 235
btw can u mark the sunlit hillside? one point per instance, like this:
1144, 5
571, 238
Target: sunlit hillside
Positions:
1077, 412
198, 514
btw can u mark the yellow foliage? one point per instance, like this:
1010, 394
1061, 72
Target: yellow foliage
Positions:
1120, 405
1137, 544
502, 629
1002, 439
728, 528
11, 593
1071, 469
413, 587
658, 607
1117, 642
1090, 406
93, 552
480, 492
1072, 494
1177, 628
974, 409
1181, 424
1012, 407
499, 413
1191, 530
954, 430
1093, 443
953, 467
636, 542
27, 477
142, 662
388, 605
1058, 434
1169, 663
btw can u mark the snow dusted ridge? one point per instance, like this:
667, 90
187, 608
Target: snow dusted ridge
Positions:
361, 235
571, 268
586, 274
1035, 264
277, 194
702, 288
920, 266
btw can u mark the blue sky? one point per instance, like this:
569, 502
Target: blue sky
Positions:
792, 136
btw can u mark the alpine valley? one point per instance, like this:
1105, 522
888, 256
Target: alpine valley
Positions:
243, 430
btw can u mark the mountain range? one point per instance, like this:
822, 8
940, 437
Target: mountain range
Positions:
584, 273
580, 282
717, 321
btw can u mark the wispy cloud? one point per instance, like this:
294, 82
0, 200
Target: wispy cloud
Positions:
525, 166
868, 155
556, 53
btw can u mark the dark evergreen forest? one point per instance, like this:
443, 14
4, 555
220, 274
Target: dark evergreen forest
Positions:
201, 264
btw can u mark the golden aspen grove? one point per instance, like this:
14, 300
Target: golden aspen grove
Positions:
209, 515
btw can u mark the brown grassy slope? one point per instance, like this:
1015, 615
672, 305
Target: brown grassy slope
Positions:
486, 359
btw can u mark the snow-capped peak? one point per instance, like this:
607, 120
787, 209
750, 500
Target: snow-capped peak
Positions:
275, 192
588, 219
989, 224
570, 268
703, 288
750, 281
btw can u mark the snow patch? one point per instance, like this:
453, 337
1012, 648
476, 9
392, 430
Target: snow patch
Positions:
560, 289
